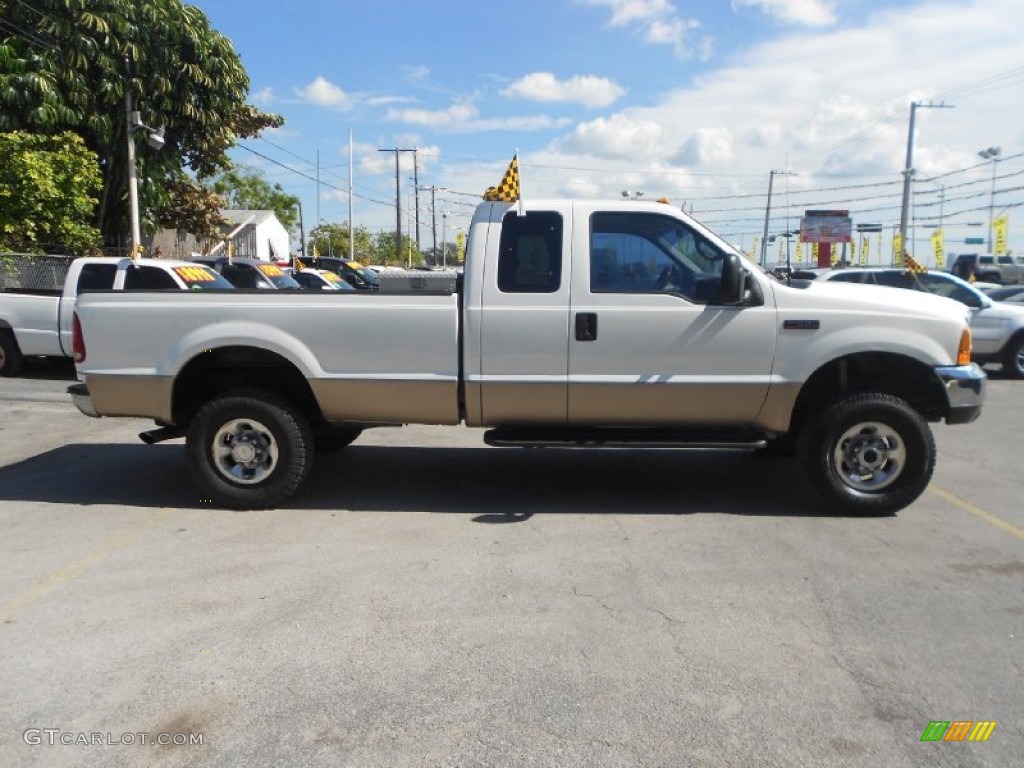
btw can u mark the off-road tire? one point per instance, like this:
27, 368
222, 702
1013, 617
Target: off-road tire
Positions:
867, 454
248, 449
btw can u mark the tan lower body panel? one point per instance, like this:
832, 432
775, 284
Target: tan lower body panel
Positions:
713, 404
666, 405
510, 404
126, 395
388, 400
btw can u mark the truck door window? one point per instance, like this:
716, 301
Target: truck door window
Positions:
96, 277
530, 257
650, 253
148, 278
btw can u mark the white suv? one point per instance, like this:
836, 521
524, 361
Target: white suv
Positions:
996, 327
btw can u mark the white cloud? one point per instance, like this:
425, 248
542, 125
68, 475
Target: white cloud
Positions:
263, 95
588, 90
660, 23
417, 73
465, 118
618, 136
811, 13
707, 146
435, 118
324, 93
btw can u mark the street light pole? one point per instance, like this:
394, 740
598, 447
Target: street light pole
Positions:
133, 179
992, 153
133, 123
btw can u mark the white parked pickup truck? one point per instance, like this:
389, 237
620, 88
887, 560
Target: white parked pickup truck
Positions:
36, 322
620, 323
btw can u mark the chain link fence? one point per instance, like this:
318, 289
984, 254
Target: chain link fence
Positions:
32, 272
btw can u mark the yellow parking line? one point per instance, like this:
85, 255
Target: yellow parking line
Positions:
1005, 525
75, 569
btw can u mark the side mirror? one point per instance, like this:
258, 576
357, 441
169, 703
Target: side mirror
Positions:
733, 280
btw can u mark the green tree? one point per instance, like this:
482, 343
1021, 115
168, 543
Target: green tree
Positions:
332, 240
386, 253
245, 188
65, 64
48, 192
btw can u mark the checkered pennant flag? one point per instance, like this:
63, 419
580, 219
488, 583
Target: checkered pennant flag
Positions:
910, 264
508, 190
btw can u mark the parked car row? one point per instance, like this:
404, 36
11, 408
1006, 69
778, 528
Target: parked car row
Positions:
996, 326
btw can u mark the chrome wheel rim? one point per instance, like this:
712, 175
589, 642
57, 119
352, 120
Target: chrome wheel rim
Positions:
870, 456
245, 451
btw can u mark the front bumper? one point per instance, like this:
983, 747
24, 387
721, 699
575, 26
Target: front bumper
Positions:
965, 390
83, 402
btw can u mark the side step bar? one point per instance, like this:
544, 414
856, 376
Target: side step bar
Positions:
614, 437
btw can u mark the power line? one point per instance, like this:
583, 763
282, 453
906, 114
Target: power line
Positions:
297, 172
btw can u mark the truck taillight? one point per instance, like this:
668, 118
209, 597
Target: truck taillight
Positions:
963, 353
77, 340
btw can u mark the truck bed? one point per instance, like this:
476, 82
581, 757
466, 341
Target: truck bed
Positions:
367, 356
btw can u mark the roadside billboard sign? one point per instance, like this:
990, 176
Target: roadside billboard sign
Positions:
825, 227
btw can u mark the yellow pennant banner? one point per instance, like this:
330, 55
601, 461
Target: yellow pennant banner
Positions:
897, 249
999, 227
940, 257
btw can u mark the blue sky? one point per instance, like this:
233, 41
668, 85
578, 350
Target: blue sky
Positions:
697, 101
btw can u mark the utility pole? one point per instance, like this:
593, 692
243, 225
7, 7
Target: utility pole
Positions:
908, 170
768, 212
398, 199
351, 234
433, 214
416, 186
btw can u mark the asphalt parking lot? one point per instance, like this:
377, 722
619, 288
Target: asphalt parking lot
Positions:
429, 601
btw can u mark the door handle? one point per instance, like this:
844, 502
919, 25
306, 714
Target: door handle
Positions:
586, 326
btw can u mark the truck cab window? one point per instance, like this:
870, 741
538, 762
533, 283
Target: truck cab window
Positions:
96, 277
530, 259
650, 253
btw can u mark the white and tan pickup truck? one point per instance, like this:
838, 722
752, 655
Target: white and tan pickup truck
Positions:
619, 323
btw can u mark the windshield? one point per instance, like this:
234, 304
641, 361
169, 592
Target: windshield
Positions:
364, 272
277, 276
200, 278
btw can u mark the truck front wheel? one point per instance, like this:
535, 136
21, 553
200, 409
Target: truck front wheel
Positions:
868, 454
11, 361
249, 449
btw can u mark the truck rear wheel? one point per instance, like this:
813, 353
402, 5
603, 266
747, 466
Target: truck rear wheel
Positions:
868, 454
11, 360
249, 449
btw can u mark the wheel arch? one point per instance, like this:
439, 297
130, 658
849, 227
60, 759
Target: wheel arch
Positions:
222, 369
883, 372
